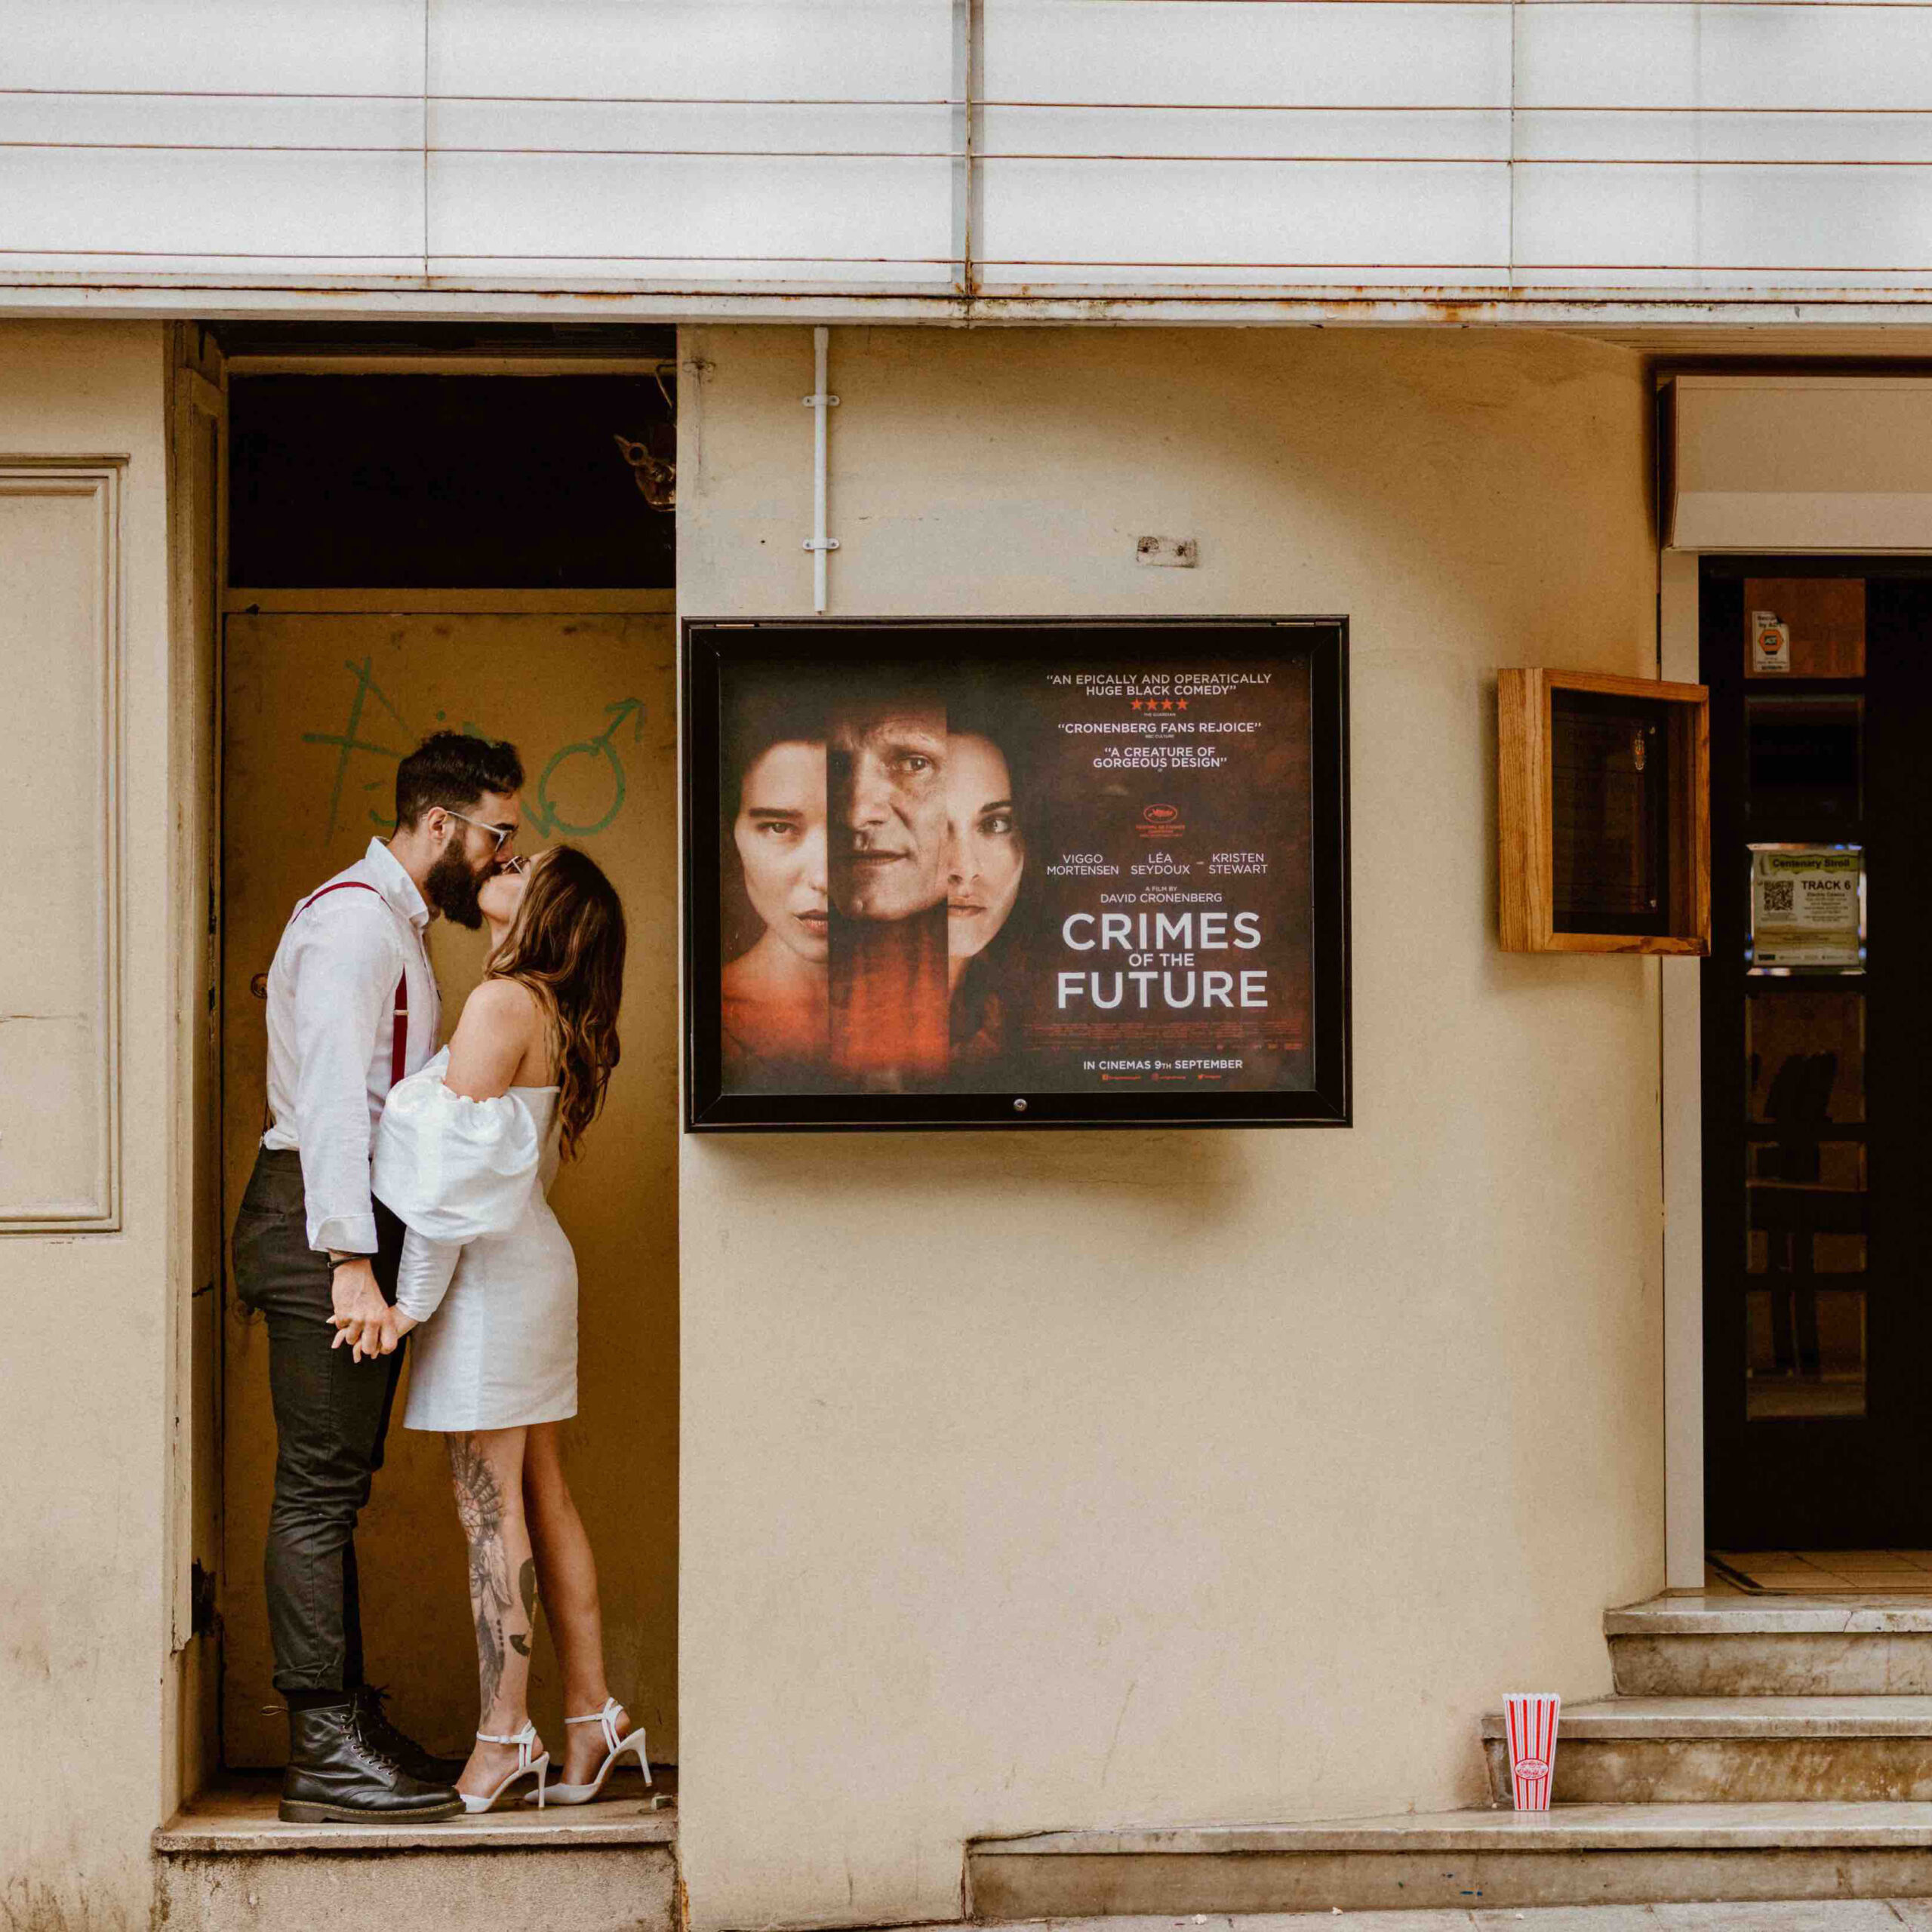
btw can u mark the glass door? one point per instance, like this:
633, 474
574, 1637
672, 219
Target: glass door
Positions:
1816, 1052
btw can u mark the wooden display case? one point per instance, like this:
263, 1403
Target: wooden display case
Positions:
1603, 811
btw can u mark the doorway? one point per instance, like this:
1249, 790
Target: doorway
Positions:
1816, 1034
358, 496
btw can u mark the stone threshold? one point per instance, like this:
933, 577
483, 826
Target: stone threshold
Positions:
1629, 1718
1698, 1614
236, 1817
1784, 1826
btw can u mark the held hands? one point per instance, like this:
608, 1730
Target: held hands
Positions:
382, 1338
364, 1321
357, 1309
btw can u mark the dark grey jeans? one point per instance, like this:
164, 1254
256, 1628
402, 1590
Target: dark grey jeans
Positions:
332, 1414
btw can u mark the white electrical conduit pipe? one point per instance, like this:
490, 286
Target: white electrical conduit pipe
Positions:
819, 401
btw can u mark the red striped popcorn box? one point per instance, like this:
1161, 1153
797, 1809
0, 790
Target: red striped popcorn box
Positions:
1529, 1717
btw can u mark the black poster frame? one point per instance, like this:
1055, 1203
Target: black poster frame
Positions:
709, 644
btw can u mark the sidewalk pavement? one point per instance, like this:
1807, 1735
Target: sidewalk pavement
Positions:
1819, 1915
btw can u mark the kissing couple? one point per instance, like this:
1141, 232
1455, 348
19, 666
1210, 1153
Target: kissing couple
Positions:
400, 1189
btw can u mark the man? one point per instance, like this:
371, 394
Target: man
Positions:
886, 773
887, 986
352, 1007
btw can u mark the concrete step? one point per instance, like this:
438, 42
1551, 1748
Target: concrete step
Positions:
226, 1864
1733, 1750
1470, 1861
1814, 1915
1728, 1645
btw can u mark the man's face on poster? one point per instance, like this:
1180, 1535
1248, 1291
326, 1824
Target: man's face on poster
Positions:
886, 778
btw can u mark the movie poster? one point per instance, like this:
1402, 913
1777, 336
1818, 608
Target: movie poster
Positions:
1063, 873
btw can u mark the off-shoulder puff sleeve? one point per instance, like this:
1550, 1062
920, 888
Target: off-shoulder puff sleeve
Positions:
454, 1169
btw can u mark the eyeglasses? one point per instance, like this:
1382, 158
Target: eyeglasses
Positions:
502, 834
518, 862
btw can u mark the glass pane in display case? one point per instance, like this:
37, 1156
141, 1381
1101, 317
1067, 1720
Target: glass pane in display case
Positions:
1609, 800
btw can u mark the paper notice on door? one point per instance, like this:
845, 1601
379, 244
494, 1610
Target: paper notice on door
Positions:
1807, 906
1770, 644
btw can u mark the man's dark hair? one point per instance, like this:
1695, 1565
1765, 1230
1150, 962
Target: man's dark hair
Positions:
452, 770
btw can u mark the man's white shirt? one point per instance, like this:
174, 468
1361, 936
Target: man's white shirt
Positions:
331, 1032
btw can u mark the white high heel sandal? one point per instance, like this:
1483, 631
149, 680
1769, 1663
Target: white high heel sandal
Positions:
530, 1757
614, 1748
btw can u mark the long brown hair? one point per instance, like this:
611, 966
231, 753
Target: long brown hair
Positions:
566, 946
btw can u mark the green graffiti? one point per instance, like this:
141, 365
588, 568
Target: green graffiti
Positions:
541, 814
545, 815
346, 739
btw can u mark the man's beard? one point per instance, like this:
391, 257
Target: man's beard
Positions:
452, 888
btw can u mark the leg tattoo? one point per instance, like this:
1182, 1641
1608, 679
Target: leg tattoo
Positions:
479, 1506
526, 1584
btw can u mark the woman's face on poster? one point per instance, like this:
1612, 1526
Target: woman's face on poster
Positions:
985, 853
780, 836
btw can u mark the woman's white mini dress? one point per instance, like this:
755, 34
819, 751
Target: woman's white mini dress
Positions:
485, 1268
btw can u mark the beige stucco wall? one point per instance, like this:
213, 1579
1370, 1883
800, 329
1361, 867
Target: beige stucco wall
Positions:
1065, 1479
87, 1765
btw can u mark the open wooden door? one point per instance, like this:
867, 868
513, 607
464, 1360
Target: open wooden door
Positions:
325, 692
197, 499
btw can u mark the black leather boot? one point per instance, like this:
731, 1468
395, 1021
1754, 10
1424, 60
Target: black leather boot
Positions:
337, 1772
419, 1762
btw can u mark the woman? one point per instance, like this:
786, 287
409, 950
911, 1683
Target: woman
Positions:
774, 993
464, 1154
985, 861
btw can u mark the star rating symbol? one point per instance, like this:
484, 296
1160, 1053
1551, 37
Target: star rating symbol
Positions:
1137, 704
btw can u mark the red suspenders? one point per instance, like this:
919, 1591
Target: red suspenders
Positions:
399, 1025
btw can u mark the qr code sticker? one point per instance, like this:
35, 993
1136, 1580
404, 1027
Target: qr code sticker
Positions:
1778, 895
